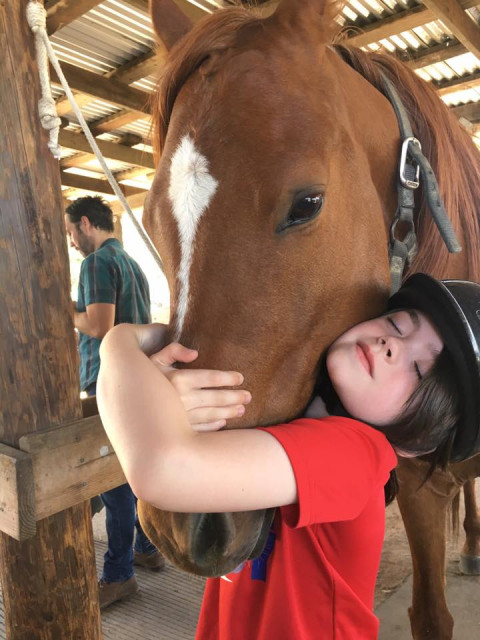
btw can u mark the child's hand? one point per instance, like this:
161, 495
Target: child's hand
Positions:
208, 407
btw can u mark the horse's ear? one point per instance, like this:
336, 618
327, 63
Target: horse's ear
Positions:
169, 22
297, 12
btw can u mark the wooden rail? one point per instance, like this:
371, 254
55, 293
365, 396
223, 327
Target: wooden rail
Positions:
53, 470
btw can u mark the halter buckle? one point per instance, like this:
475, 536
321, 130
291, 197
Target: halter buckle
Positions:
404, 179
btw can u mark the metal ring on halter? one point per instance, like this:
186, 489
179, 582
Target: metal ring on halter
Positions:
409, 238
407, 182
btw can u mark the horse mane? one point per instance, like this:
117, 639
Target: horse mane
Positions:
449, 149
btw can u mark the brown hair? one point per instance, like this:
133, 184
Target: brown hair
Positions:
430, 416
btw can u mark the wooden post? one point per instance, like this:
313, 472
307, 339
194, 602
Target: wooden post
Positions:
49, 582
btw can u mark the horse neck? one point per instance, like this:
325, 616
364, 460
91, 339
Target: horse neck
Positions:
454, 159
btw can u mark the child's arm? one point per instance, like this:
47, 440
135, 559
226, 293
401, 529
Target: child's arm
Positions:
164, 460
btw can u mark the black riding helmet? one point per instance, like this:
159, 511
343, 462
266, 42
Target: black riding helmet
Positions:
454, 307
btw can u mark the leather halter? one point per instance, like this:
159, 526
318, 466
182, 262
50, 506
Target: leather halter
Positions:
413, 164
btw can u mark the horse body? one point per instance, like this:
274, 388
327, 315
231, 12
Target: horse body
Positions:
261, 119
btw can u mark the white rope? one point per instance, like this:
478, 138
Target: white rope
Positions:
37, 20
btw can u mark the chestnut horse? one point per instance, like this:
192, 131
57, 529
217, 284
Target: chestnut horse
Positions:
271, 208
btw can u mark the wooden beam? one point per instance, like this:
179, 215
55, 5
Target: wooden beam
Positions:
135, 202
63, 12
77, 160
138, 68
437, 53
470, 81
71, 464
107, 89
470, 111
391, 26
190, 10
17, 500
394, 25
131, 174
49, 581
78, 142
96, 185
452, 14
113, 122
63, 104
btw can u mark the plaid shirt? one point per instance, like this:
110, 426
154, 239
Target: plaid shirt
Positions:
109, 275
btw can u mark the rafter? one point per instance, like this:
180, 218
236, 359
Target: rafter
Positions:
135, 202
470, 81
77, 160
63, 104
402, 21
94, 184
110, 150
470, 111
437, 53
113, 122
190, 10
108, 89
452, 14
131, 174
140, 67
63, 12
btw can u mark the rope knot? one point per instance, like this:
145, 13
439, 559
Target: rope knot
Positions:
36, 16
48, 113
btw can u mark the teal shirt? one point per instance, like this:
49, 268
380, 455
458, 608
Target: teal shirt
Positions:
110, 275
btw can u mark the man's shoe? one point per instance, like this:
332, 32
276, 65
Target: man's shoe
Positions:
153, 561
110, 592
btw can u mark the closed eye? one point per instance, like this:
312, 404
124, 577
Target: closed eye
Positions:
394, 325
417, 371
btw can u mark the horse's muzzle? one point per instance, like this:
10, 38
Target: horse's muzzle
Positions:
220, 542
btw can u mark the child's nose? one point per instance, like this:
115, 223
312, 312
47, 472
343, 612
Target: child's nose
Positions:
390, 346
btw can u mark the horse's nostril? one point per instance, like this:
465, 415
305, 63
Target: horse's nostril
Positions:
211, 536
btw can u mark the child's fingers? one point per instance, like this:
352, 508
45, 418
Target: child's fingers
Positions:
204, 378
174, 352
210, 415
209, 426
194, 398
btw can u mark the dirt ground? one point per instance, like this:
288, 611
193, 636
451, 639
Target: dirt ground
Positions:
396, 564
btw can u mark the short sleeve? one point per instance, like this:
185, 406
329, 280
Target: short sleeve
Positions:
99, 280
338, 464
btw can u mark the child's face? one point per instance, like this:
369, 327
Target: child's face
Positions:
376, 366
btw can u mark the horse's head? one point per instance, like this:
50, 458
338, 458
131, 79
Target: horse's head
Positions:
269, 208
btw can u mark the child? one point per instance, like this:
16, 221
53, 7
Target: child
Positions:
409, 376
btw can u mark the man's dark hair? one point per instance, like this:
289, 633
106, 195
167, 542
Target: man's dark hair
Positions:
95, 209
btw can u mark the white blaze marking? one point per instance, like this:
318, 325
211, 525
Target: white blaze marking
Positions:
191, 190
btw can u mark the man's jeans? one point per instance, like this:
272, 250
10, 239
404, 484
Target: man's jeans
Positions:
121, 522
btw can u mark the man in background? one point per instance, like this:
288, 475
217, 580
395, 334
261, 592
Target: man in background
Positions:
112, 289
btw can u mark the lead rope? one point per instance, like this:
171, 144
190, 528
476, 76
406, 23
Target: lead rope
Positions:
412, 164
37, 20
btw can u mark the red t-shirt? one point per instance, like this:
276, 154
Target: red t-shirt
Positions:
316, 576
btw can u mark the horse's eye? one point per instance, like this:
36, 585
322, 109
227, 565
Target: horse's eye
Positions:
304, 208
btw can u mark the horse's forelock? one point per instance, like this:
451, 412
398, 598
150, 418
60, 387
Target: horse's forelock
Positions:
444, 142
216, 33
